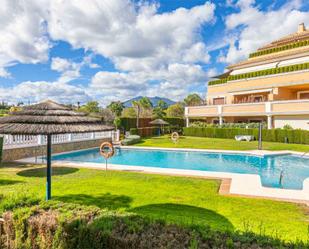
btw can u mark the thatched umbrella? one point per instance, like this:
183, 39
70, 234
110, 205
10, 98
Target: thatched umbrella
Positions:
159, 122
49, 118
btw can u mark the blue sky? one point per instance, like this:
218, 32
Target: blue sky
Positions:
109, 50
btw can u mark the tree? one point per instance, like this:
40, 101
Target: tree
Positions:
176, 111
90, 107
117, 122
162, 104
193, 100
128, 112
159, 110
15, 109
144, 104
116, 107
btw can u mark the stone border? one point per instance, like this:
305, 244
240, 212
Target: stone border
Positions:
248, 185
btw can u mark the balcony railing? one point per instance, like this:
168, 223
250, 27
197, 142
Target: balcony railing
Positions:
19, 141
285, 107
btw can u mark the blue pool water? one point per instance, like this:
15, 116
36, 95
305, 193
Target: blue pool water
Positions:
295, 169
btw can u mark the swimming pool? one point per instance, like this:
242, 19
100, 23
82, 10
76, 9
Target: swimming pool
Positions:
293, 169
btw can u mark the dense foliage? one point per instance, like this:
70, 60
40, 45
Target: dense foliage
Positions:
279, 49
116, 107
132, 139
159, 110
128, 123
259, 73
90, 107
193, 100
272, 135
1, 144
58, 225
145, 131
128, 112
176, 111
201, 124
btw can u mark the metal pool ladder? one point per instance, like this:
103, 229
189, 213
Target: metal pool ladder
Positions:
281, 178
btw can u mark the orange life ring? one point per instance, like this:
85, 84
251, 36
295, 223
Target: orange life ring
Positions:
175, 136
107, 153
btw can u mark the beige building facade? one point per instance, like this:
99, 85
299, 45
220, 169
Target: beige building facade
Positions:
272, 86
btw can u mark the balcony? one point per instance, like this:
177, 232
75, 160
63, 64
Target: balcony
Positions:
285, 107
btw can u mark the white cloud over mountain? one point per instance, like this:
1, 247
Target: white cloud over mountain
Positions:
150, 50
134, 37
153, 52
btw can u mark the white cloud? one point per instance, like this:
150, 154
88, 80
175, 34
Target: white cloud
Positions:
22, 34
60, 65
155, 53
134, 38
172, 82
71, 70
261, 27
42, 90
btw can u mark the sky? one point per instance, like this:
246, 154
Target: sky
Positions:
110, 50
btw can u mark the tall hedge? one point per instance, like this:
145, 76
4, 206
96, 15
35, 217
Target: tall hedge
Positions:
271, 135
279, 49
271, 71
128, 123
145, 131
1, 145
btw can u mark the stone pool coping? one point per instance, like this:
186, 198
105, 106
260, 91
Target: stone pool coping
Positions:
248, 185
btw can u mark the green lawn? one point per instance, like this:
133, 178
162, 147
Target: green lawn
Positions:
218, 143
178, 200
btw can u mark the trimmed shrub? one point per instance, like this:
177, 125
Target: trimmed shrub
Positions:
144, 132
133, 131
264, 72
1, 148
272, 135
132, 139
279, 49
128, 123
71, 226
203, 124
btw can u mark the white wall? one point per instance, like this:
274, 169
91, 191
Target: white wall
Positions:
297, 122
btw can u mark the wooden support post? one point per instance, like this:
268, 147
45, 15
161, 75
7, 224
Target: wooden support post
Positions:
48, 169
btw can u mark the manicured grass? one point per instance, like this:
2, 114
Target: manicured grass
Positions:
218, 143
180, 200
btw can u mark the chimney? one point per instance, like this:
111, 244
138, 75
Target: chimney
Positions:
301, 28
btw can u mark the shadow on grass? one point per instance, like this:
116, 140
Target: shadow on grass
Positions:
8, 182
185, 215
110, 201
41, 172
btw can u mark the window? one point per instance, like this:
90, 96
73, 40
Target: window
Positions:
218, 101
303, 95
257, 98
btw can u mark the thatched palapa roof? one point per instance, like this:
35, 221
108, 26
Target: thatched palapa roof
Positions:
49, 118
159, 122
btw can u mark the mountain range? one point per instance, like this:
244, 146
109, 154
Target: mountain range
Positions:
153, 100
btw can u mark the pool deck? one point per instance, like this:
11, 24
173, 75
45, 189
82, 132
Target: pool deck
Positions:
248, 185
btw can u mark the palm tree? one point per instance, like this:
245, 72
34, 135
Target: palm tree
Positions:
136, 105
139, 105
